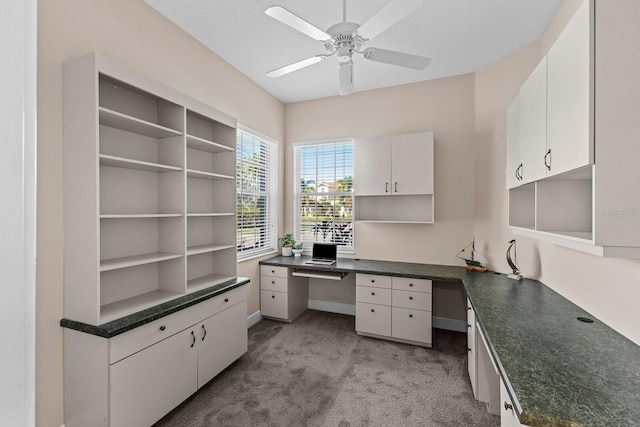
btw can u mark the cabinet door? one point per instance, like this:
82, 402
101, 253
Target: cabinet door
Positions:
569, 83
514, 164
508, 416
222, 339
147, 385
533, 124
412, 163
372, 166
373, 319
471, 347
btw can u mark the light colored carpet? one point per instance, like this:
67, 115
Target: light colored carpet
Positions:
318, 372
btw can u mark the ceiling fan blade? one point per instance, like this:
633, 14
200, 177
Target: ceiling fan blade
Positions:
396, 58
281, 14
388, 15
345, 74
296, 66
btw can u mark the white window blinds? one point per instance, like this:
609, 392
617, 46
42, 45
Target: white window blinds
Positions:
324, 193
257, 193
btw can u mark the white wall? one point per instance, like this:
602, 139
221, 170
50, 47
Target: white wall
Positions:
606, 287
18, 213
135, 34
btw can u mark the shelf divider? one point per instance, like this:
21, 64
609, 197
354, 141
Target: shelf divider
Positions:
132, 261
121, 162
132, 124
202, 144
203, 249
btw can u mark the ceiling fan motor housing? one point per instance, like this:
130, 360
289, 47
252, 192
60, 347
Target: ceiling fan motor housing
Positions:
343, 41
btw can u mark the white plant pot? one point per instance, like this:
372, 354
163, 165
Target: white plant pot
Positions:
287, 251
297, 252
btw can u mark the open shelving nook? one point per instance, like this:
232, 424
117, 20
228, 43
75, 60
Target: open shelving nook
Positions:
149, 206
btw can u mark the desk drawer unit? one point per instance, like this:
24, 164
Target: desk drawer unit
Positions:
373, 295
268, 270
273, 283
373, 319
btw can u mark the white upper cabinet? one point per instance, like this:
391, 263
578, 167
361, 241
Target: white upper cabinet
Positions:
533, 124
372, 166
400, 166
569, 83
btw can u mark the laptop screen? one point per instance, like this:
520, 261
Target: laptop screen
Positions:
324, 251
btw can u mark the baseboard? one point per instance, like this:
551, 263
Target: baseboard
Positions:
253, 319
332, 307
449, 324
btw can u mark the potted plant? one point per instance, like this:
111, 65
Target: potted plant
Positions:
287, 241
297, 249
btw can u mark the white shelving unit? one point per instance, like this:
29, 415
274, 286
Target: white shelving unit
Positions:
149, 208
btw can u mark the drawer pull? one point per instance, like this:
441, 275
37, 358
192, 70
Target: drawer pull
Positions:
162, 328
372, 310
273, 271
194, 339
410, 298
411, 285
411, 315
468, 349
226, 300
373, 281
373, 293
273, 282
508, 406
468, 325
204, 332
273, 296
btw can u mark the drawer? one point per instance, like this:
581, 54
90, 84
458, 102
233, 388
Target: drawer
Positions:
269, 270
221, 302
373, 295
273, 283
373, 319
132, 341
373, 280
274, 304
412, 325
411, 299
408, 284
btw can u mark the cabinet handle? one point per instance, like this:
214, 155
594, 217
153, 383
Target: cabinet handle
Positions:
410, 298
395, 187
194, 339
273, 296
411, 285
373, 293
204, 332
386, 187
273, 271
519, 172
548, 155
226, 300
373, 281
372, 310
468, 349
411, 315
468, 308
468, 325
508, 406
162, 328
273, 282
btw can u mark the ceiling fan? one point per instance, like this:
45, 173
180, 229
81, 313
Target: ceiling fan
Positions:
346, 38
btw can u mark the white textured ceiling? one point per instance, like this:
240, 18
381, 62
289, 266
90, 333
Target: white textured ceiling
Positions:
460, 36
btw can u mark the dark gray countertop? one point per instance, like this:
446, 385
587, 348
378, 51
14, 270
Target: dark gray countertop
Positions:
445, 273
559, 371
564, 372
124, 324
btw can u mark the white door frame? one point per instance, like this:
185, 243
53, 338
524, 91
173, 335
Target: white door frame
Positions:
18, 76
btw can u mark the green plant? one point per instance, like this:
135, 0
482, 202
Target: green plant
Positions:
297, 245
287, 241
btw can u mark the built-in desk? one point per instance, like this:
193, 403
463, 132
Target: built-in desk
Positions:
557, 370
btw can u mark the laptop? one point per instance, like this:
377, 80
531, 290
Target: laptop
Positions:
323, 254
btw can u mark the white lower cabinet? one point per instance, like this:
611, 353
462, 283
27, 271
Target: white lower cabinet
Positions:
137, 377
396, 308
483, 372
282, 295
471, 348
508, 416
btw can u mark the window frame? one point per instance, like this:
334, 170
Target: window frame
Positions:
297, 191
270, 193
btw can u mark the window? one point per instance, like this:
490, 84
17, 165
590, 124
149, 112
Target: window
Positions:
257, 192
324, 193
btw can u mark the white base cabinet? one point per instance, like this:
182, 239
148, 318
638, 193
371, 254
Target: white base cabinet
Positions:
137, 377
282, 295
508, 415
394, 308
